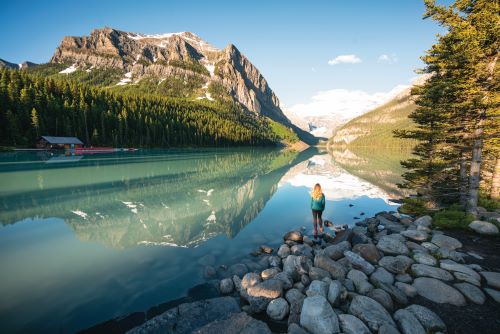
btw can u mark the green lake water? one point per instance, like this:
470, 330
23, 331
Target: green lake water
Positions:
84, 239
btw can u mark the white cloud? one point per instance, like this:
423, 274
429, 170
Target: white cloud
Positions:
343, 104
345, 59
385, 58
313, 69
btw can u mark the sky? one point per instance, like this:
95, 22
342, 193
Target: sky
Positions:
317, 56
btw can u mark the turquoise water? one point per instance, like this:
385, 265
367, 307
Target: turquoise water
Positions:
86, 239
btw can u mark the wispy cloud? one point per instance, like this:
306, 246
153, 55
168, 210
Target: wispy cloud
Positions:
385, 58
345, 59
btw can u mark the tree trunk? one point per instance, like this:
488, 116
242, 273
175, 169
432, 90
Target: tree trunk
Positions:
463, 182
475, 173
495, 182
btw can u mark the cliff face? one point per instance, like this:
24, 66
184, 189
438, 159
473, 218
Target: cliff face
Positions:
177, 55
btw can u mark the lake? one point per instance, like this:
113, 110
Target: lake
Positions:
87, 238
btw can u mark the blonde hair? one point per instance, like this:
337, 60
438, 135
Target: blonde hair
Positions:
316, 193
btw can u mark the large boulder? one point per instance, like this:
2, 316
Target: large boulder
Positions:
445, 241
295, 236
429, 271
360, 281
249, 280
382, 297
456, 267
317, 316
283, 251
335, 292
316, 273
317, 288
425, 221
336, 251
438, 292
358, 262
396, 264
271, 288
408, 323
236, 323
336, 270
471, 292
295, 298
349, 324
483, 227
381, 275
492, 278
296, 266
430, 320
277, 309
371, 312
285, 279
392, 246
369, 252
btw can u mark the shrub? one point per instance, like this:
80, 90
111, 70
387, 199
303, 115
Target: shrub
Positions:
414, 206
488, 203
453, 217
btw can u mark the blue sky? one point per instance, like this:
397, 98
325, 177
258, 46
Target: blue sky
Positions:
291, 42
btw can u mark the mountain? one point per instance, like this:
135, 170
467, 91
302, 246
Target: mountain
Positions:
375, 128
179, 64
6, 64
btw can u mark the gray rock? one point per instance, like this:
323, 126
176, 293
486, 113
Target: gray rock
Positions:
430, 246
428, 271
453, 266
382, 297
471, 292
445, 241
408, 323
381, 275
475, 266
283, 251
249, 280
274, 261
317, 316
277, 309
237, 283
349, 324
226, 286
316, 273
349, 285
293, 328
404, 278
396, 264
294, 296
336, 270
285, 279
466, 278
290, 268
360, 281
425, 258
305, 279
391, 246
336, 251
209, 272
475, 255
397, 295
296, 236
483, 227
266, 249
358, 262
438, 292
425, 221
371, 312
272, 288
317, 288
408, 290
269, 273
188, 317
414, 247
369, 252
492, 278
493, 294
430, 320
415, 235
334, 292
387, 329
238, 269
236, 323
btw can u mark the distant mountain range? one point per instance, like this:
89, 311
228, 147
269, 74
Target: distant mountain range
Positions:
174, 64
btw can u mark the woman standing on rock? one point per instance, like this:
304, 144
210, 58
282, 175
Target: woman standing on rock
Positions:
317, 207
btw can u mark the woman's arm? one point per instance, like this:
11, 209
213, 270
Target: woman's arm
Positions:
323, 201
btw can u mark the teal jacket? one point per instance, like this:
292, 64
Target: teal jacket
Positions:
318, 204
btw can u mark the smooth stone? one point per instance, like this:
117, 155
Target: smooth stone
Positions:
413, 246
237, 283
349, 285
316, 273
349, 324
336, 251
305, 280
360, 281
430, 246
425, 221
294, 296
492, 278
296, 266
334, 292
271, 288
387, 329
396, 294
274, 261
396, 264
453, 266
427, 318
283, 251
317, 316
294, 328
238, 269
428, 271
234, 323
249, 280
317, 288
226, 286
335, 269
296, 236
438, 292
475, 266
369, 252
495, 294
475, 255
266, 249
471, 292
404, 278
445, 241
382, 297
278, 309
408, 323
415, 235
425, 258
381, 275
370, 312
408, 290
285, 279
392, 246
483, 227
269, 273
358, 262
466, 278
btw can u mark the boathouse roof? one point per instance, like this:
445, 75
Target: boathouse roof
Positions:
62, 140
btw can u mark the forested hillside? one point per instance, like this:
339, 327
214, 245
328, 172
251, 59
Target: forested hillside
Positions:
32, 105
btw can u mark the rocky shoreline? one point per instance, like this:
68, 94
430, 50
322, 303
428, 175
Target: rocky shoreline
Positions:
367, 279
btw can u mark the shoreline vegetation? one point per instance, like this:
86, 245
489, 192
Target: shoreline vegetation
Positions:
389, 273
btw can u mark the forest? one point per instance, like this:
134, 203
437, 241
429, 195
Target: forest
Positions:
32, 105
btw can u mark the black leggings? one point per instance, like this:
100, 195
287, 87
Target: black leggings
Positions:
317, 218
